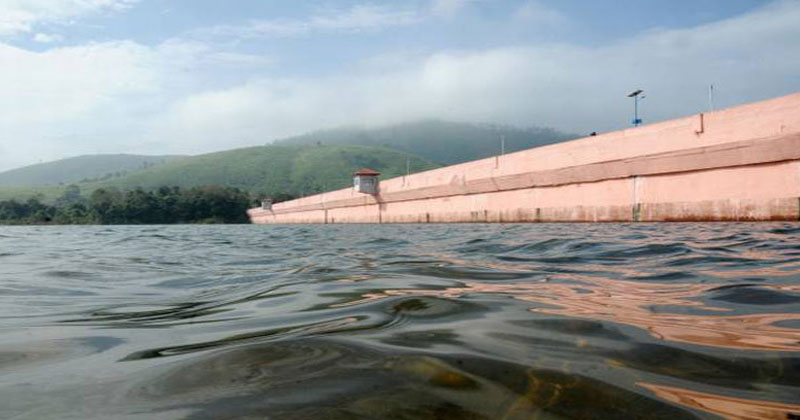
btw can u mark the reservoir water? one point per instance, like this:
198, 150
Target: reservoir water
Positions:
549, 321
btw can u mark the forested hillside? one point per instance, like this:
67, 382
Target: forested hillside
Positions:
271, 170
292, 167
263, 171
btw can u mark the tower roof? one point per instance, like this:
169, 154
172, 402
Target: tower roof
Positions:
366, 172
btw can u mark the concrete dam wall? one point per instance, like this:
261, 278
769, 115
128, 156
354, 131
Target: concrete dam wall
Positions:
736, 164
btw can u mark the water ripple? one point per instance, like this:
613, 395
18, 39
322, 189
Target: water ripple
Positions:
432, 321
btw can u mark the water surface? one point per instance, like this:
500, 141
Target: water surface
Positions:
542, 321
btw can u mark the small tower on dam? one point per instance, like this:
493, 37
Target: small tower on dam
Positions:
365, 181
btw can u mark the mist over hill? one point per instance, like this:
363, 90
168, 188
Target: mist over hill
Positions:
442, 142
81, 168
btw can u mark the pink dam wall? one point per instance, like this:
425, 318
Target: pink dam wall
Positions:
741, 163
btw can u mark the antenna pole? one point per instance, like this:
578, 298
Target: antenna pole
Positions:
711, 98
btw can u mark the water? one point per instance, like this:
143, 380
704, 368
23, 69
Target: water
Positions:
401, 322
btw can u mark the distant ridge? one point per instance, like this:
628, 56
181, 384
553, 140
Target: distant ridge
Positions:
81, 168
274, 170
297, 166
442, 142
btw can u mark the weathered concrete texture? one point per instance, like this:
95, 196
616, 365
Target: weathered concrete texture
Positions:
737, 164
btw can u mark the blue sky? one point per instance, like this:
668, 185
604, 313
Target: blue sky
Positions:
181, 76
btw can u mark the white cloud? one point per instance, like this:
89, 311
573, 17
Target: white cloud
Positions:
532, 11
98, 97
448, 8
187, 54
21, 16
47, 38
50, 99
360, 18
126, 97
357, 19
61, 84
569, 87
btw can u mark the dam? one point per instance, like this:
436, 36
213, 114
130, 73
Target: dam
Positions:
736, 164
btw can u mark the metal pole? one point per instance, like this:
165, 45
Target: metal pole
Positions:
502, 145
635, 95
711, 98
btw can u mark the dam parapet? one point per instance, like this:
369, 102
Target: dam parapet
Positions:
736, 164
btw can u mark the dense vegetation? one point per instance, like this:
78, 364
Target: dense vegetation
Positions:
442, 142
165, 205
294, 167
265, 171
271, 170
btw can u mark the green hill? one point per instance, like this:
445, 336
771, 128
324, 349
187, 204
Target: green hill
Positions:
262, 170
76, 169
443, 142
295, 170
295, 166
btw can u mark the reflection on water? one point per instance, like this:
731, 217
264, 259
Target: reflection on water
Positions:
443, 322
637, 304
727, 407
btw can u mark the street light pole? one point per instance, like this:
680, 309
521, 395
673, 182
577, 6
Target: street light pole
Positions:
635, 95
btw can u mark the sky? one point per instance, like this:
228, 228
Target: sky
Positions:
195, 76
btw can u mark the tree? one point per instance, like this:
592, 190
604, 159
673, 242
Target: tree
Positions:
140, 207
72, 194
110, 206
105, 205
